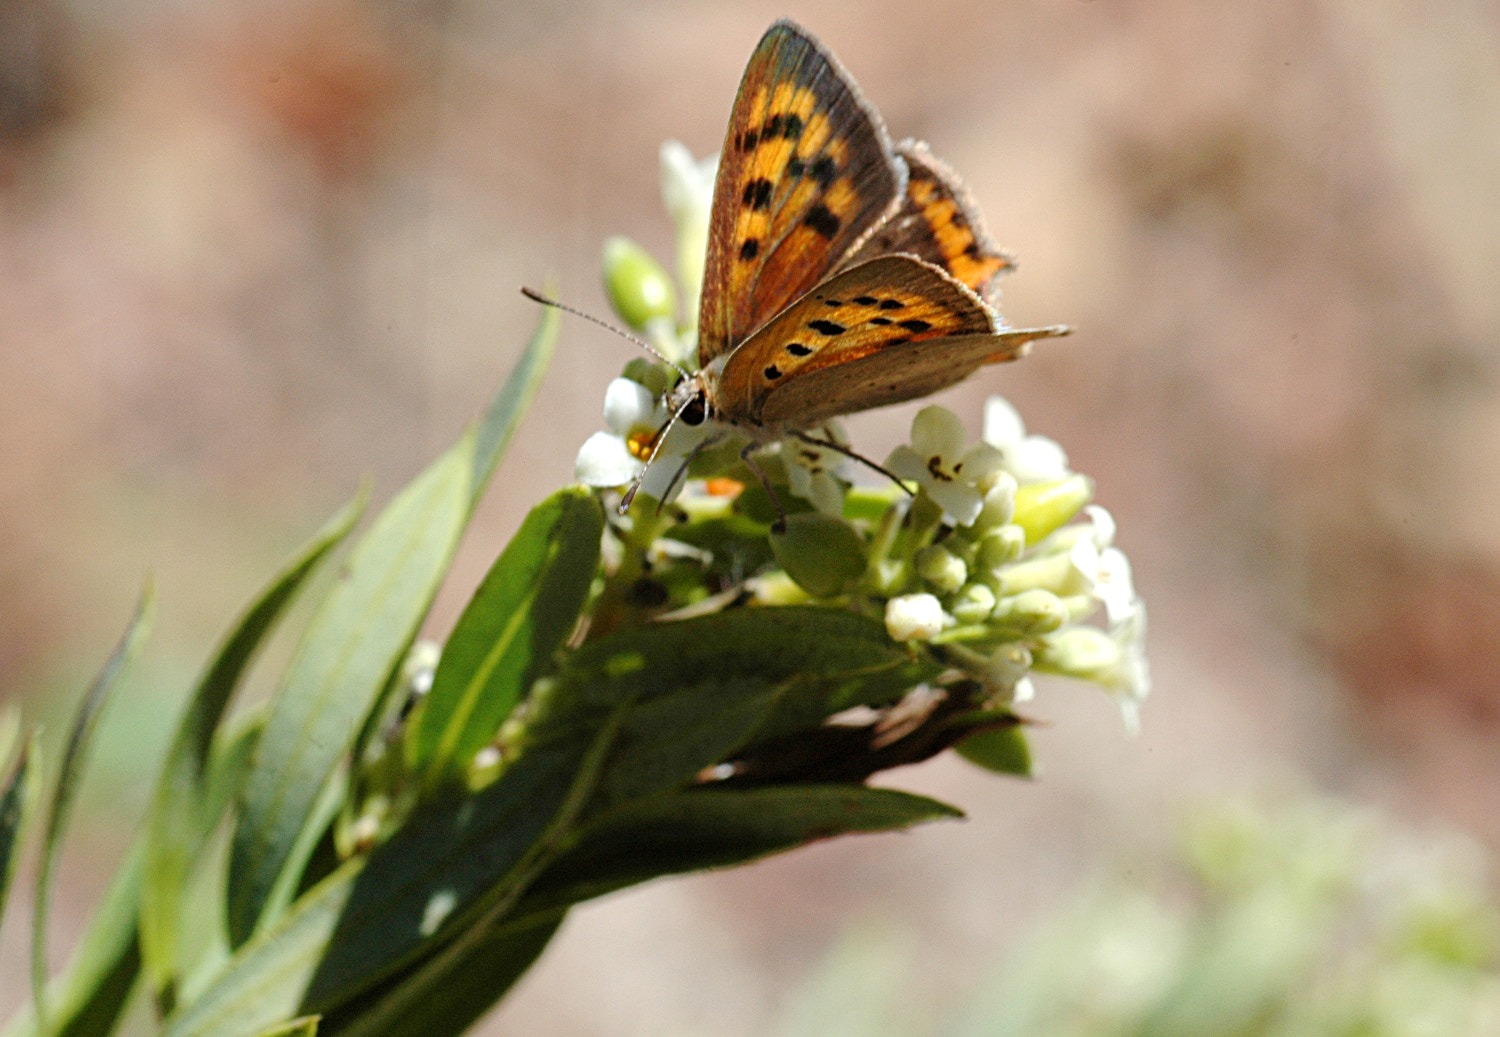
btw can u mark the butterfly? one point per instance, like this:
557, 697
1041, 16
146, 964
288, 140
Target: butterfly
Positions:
843, 272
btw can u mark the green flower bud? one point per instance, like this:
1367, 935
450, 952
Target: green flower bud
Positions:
655, 377
1042, 508
1083, 652
1002, 750
1001, 546
999, 502
823, 554
639, 289
941, 568
1031, 613
1049, 572
973, 604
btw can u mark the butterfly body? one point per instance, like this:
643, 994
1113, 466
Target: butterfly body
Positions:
843, 272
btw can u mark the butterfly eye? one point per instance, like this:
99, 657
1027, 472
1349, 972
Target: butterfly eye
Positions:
694, 411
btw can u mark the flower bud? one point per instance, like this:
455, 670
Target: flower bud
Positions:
1001, 546
1042, 508
941, 568
1030, 613
1084, 652
639, 289
973, 604
999, 502
655, 377
914, 617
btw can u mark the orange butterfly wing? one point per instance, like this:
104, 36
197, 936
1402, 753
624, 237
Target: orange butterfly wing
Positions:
806, 171
888, 330
938, 222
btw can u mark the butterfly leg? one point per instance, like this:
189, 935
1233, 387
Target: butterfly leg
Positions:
681, 472
779, 526
861, 458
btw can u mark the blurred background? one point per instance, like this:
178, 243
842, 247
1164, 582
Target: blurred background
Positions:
250, 251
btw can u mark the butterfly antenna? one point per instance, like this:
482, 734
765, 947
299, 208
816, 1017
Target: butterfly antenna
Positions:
536, 296
861, 458
661, 437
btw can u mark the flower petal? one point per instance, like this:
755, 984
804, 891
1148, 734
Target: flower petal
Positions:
628, 404
604, 460
1003, 427
938, 432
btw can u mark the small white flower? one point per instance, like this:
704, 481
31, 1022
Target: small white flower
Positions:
814, 472
634, 417
914, 617
1128, 681
1030, 459
938, 461
687, 191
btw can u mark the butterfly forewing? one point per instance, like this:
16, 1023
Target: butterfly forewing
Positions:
938, 222
883, 304
806, 171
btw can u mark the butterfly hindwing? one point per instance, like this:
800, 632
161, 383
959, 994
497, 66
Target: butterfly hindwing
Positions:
880, 305
938, 222
806, 171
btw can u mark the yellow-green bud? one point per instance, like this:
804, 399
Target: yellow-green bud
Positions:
639, 289
973, 604
999, 502
1001, 546
1031, 613
654, 376
1049, 572
941, 568
1044, 507
1084, 652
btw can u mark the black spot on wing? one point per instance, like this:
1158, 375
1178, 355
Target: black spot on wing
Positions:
916, 327
824, 170
749, 140
757, 194
795, 167
865, 300
892, 304
821, 219
772, 372
798, 349
750, 248
880, 320
827, 327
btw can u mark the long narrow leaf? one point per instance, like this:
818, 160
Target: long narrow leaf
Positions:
466, 990
88, 997
352, 645
505, 411
175, 831
520, 615
713, 828
80, 739
16, 800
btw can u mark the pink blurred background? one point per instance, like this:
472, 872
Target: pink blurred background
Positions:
251, 251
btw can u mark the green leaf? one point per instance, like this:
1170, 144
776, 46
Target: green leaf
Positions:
448, 856
707, 827
265, 979
302, 1026
505, 411
17, 799
828, 659
184, 806
449, 1001
823, 554
352, 644
85, 725
1002, 750
351, 647
521, 614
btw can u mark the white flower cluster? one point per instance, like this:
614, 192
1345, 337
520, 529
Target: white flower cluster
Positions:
1008, 585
